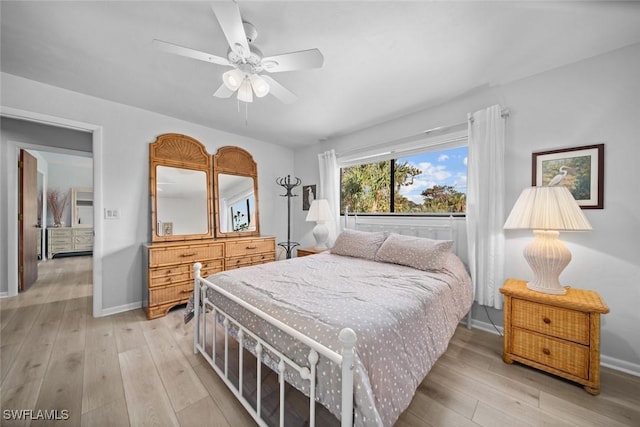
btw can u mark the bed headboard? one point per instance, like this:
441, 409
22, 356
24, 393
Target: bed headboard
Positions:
437, 228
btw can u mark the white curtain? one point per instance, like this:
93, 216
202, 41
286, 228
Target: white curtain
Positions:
485, 204
330, 189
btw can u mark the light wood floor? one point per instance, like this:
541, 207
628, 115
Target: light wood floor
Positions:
125, 370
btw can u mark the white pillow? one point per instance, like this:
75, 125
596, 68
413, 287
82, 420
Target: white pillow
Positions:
417, 252
358, 244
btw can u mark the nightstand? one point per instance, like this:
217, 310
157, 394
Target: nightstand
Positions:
310, 251
558, 334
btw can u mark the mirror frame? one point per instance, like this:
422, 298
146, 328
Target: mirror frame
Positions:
231, 160
179, 151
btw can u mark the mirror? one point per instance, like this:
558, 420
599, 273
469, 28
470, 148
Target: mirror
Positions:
181, 201
180, 188
237, 203
236, 193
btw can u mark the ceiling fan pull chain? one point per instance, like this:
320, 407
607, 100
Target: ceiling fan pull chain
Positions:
246, 114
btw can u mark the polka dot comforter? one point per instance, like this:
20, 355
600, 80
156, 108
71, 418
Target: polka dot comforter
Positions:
403, 318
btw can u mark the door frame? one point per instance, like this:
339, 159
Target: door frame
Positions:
13, 150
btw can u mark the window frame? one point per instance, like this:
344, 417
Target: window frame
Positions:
440, 143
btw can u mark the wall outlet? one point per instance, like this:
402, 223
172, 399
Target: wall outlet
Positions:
111, 213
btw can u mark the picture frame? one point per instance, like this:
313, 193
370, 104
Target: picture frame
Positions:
167, 228
308, 195
580, 169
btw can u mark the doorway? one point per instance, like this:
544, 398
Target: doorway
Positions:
12, 149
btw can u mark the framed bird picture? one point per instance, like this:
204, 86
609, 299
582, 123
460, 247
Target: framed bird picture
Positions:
580, 169
308, 196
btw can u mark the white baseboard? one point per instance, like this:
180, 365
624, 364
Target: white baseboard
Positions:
609, 362
119, 309
487, 327
4, 294
620, 365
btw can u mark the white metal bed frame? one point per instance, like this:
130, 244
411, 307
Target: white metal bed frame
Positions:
347, 337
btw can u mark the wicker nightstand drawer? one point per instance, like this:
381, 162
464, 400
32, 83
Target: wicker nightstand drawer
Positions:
555, 321
558, 354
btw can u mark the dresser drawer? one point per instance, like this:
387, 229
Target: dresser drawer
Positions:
565, 356
58, 239
211, 267
180, 292
169, 280
238, 262
185, 254
171, 270
249, 247
549, 320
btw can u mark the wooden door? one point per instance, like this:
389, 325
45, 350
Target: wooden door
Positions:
27, 221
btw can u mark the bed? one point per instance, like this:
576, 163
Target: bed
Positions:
356, 329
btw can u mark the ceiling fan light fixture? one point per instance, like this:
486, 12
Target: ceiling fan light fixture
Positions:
233, 79
259, 85
245, 94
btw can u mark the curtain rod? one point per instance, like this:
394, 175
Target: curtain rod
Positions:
504, 114
440, 129
424, 133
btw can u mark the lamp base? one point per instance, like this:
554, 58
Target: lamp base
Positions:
547, 256
320, 233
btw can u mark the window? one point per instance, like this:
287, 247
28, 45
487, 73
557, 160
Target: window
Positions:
433, 181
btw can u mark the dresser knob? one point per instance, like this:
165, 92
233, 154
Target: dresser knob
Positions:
546, 320
546, 351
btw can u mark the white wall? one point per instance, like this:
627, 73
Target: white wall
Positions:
593, 101
126, 134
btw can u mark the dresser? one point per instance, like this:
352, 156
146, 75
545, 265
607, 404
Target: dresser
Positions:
170, 266
558, 334
68, 240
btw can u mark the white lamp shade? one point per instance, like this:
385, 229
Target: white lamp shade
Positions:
245, 94
546, 211
319, 211
547, 208
233, 79
260, 85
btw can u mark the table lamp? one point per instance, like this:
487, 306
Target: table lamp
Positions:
547, 211
320, 213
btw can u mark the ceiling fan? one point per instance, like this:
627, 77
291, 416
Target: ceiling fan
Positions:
246, 60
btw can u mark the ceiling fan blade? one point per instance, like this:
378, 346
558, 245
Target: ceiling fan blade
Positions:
311, 58
189, 53
223, 92
228, 16
279, 91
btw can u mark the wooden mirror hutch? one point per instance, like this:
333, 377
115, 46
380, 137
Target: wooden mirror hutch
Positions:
188, 225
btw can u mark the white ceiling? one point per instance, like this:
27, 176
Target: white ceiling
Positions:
382, 59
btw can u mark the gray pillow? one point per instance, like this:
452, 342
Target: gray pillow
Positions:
358, 244
417, 252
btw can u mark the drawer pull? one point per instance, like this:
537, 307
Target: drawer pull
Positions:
546, 320
251, 247
185, 291
188, 255
546, 351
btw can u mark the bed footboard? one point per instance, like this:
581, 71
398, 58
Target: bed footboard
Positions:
203, 306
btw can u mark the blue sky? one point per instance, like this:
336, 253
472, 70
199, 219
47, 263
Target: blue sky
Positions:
446, 167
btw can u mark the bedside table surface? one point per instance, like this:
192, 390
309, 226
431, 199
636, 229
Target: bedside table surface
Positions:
577, 299
310, 251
